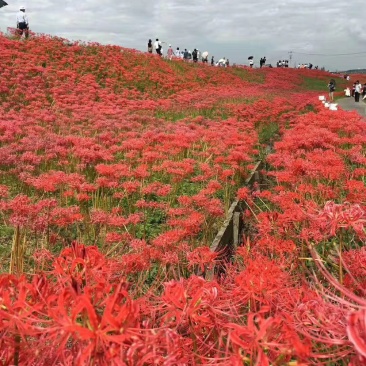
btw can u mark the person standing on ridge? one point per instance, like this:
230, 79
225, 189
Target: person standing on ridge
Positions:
358, 91
170, 52
331, 87
212, 61
353, 90
185, 55
149, 46
157, 46
22, 22
194, 55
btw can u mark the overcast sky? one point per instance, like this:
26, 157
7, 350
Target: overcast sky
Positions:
234, 29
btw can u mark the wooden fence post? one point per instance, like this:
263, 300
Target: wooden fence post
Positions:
228, 238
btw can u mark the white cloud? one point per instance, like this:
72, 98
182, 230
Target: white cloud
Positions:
225, 27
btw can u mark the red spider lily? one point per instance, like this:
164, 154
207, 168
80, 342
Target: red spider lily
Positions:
260, 282
336, 216
260, 334
202, 257
353, 309
66, 216
4, 191
355, 262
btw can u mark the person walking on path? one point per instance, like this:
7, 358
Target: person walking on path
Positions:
358, 91
185, 55
22, 22
177, 53
195, 55
331, 87
149, 46
170, 52
158, 47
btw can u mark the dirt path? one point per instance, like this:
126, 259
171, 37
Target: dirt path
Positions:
349, 104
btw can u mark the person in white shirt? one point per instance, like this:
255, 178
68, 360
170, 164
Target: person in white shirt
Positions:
158, 47
251, 63
22, 22
358, 91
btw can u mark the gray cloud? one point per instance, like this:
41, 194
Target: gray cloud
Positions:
230, 28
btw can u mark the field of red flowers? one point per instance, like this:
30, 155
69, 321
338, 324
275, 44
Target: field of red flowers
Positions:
117, 171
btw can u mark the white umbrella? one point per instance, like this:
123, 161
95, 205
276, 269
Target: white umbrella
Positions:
204, 54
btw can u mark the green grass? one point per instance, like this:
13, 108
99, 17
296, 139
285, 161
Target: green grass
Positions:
321, 84
244, 74
315, 84
267, 132
210, 113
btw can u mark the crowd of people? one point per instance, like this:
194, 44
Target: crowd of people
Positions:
306, 66
196, 56
282, 63
186, 55
262, 61
157, 46
357, 91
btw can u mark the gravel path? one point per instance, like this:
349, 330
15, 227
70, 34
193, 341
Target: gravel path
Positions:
349, 104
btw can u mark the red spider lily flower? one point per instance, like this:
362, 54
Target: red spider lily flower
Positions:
355, 262
158, 189
253, 339
202, 257
260, 281
66, 216
353, 308
243, 193
335, 216
4, 191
